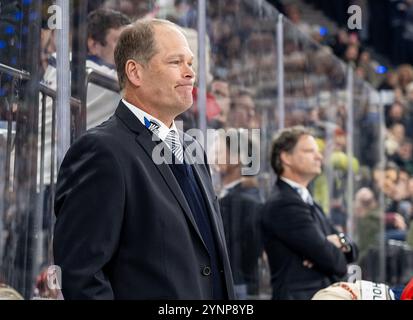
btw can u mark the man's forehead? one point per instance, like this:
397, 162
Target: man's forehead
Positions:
166, 29
170, 39
306, 140
245, 100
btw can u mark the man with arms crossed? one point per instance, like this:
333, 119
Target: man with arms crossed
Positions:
305, 252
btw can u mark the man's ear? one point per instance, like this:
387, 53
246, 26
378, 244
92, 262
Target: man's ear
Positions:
134, 73
93, 46
285, 158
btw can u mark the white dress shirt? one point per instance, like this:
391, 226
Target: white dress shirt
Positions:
141, 115
228, 187
302, 191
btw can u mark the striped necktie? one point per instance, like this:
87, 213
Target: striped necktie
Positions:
172, 140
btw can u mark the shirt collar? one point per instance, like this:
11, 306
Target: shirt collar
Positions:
232, 184
100, 61
141, 115
229, 186
302, 191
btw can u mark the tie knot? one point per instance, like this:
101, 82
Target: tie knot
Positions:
305, 195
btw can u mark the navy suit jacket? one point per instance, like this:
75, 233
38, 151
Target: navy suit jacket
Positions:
294, 231
124, 229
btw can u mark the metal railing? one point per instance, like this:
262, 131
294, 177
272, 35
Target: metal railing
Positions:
47, 141
102, 80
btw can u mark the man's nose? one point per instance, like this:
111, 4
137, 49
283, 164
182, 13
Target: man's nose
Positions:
189, 72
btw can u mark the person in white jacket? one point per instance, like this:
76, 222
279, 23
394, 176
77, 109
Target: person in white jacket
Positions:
104, 28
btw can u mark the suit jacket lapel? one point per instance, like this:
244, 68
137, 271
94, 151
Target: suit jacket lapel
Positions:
316, 211
144, 138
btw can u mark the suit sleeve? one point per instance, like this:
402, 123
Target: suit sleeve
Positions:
292, 224
89, 210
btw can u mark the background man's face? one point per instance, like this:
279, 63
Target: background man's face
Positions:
305, 160
243, 113
106, 52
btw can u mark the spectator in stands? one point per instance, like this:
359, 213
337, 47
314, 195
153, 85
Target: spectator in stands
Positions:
339, 42
47, 45
390, 82
294, 14
305, 252
134, 9
409, 96
398, 113
385, 181
351, 54
367, 221
404, 205
366, 63
394, 114
243, 113
340, 162
405, 76
104, 28
186, 11
394, 137
404, 156
395, 226
239, 210
220, 90
399, 209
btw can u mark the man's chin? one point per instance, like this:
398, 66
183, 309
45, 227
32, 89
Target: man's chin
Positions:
317, 173
183, 108
187, 106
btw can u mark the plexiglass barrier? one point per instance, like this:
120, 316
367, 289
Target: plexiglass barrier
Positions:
260, 73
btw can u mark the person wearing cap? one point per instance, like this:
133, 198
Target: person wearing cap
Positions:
306, 253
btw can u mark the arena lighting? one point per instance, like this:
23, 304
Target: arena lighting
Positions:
323, 31
381, 69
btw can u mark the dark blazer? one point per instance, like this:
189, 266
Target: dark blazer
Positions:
124, 229
294, 231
